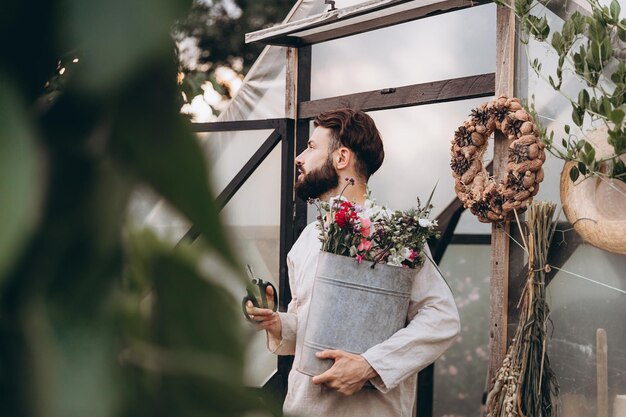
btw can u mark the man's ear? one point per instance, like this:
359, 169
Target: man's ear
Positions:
343, 156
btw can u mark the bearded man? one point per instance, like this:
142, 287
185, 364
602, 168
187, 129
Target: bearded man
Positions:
346, 143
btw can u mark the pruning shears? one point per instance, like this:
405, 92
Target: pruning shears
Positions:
257, 294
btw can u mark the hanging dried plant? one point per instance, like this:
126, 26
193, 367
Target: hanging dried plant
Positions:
526, 385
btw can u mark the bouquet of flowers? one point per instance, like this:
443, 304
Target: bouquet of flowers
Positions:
346, 303
375, 233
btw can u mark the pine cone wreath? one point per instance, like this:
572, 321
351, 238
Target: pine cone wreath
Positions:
487, 199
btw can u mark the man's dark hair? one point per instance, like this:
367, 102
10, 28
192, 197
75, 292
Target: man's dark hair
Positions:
356, 131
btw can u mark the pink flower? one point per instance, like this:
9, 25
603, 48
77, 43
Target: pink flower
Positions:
359, 258
413, 255
365, 226
365, 245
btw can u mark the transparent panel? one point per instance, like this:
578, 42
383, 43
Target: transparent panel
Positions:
461, 372
258, 200
410, 53
469, 224
227, 152
148, 210
578, 308
417, 153
252, 220
262, 96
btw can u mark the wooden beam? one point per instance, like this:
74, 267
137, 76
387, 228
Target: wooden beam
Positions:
337, 31
293, 211
368, 16
413, 95
602, 373
505, 69
302, 125
229, 126
291, 80
470, 239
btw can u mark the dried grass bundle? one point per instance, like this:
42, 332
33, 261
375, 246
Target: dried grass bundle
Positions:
526, 385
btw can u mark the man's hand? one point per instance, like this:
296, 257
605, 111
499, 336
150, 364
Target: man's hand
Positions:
266, 318
348, 374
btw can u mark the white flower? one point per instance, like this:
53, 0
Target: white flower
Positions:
395, 259
406, 253
427, 222
385, 212
372, 211
337, 197
368, 204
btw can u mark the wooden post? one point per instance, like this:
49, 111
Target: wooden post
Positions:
298, 89
602, 373
505, 77
291, 83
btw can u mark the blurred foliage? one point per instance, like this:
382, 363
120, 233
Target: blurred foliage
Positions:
217, 30
93, 323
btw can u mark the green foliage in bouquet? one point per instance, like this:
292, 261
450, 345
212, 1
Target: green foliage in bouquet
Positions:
374, 233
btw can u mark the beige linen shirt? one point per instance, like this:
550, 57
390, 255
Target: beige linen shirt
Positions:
432, 325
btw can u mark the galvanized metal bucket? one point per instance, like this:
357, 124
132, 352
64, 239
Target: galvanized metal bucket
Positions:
353, 307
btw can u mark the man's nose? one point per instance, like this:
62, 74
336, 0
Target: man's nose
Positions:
299, 160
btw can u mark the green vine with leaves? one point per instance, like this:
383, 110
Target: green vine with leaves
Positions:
585, 45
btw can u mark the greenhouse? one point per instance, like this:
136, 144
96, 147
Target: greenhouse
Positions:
432, 75
418, 68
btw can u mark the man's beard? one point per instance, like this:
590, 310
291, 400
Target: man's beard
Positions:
316, 183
